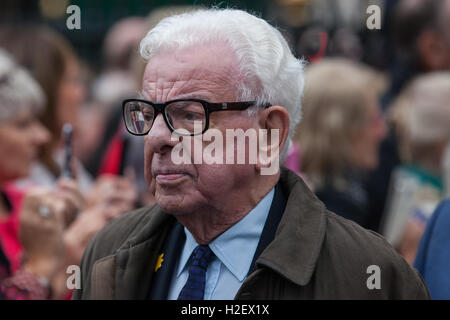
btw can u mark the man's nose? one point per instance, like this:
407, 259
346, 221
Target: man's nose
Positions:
159, 136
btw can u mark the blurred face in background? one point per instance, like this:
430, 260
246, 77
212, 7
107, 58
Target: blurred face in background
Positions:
367, 138
20, 139
71, 94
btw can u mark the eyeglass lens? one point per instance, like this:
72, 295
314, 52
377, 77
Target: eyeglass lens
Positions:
184, 117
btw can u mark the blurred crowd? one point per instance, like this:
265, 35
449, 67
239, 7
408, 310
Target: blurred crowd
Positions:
373, 142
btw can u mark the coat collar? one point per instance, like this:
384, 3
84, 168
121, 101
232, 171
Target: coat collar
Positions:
299, 237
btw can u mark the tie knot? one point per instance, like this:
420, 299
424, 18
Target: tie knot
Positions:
201, 256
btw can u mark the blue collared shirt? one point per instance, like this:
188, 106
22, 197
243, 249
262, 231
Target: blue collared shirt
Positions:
234, 250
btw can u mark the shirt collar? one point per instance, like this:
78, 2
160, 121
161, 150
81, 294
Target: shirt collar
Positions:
228, 247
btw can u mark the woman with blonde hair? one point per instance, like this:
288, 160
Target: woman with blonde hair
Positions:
420, 117
340, 133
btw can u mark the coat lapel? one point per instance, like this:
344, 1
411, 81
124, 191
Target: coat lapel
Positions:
167, 261
128, 273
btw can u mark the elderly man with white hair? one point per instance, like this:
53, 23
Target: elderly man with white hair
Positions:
223, 228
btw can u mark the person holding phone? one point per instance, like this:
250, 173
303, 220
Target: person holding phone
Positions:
21, 136
42, 229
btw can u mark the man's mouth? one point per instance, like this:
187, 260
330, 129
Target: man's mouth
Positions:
168, 177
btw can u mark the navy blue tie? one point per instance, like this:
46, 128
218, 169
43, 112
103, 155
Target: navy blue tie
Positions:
194, 289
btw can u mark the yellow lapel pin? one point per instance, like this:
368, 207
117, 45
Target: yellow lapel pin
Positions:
159, 261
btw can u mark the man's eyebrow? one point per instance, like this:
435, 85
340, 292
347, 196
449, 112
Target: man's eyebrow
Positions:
141, 95
195, 96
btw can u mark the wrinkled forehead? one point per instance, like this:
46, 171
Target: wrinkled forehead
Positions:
175, 73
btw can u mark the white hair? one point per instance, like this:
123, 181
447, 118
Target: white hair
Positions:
429, 109
18, 90
270, 71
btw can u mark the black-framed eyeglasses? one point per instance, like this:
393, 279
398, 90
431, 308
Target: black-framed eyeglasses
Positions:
187, 117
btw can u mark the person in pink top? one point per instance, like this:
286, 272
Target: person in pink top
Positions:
21, 135
9, 225
43, 229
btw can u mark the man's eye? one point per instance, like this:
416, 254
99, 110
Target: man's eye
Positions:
192, 116
187, 113
148, 116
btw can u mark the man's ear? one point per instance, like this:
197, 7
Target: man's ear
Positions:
275, 123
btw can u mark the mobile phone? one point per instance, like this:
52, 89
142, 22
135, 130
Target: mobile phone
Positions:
67, 133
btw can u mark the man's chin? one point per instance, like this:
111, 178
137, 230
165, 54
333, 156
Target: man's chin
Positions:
172, 206
176, 211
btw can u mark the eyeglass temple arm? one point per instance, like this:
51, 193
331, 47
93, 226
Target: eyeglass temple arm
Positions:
234, 105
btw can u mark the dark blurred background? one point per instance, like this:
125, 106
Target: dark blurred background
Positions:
97, 17
303, 22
